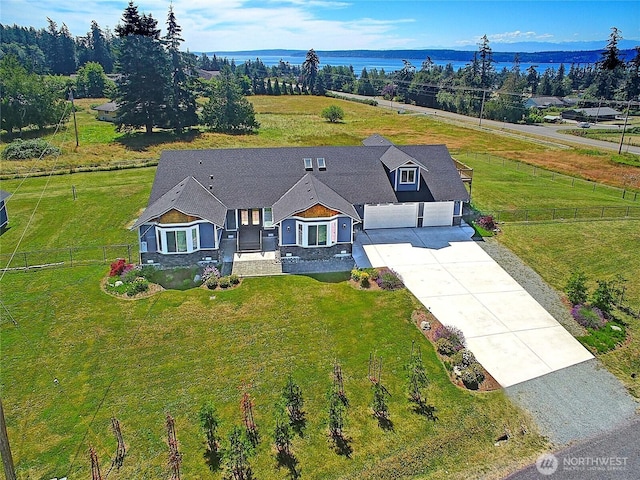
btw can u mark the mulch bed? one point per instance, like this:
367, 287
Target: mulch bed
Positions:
153, 289
419, 316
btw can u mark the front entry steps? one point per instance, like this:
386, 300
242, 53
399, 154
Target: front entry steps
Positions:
256, 264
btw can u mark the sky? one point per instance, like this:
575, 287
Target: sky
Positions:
235, 25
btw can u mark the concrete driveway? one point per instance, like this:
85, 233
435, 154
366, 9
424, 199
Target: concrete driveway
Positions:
511, 335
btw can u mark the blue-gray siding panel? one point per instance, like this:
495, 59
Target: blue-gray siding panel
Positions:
148, 234
207, 236
288, 236
344, 229
231, 220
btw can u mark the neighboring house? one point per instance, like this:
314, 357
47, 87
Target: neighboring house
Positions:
107, 112
591, 114
207, 74
311, 200
4, 218
544, 102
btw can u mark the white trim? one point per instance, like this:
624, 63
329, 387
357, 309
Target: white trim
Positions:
412, 170
333, 223
188, 228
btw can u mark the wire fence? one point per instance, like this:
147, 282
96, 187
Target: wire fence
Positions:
629, 193
69, 257
559, 214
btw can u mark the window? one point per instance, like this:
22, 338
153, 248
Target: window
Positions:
308, 164
322, 165
244, 217
317, 234
178, 240
408, 175
267, 217
255, 217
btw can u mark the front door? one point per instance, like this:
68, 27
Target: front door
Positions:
249, 230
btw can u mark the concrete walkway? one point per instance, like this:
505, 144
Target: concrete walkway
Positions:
511, 335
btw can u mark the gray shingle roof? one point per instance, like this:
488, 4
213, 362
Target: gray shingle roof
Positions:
189, 197
4, 195
376, 140
394, 158
259, 177
310, 191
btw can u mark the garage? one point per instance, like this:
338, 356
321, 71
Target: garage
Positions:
437, 214
390, 215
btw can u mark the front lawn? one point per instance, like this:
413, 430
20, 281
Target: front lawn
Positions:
76, 357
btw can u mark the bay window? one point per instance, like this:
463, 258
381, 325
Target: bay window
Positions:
178, 239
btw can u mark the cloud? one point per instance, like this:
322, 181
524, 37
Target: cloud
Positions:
510, 37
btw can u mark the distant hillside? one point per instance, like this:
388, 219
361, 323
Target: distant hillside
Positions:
567, 57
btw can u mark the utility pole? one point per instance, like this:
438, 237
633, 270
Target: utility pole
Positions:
5, 450
73, 110
624, 128
484, 93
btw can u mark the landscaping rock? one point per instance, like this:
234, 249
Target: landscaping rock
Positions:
424, 325
616, 328
197, 279
118, 283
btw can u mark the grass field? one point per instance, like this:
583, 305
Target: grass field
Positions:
138, 360
295, 120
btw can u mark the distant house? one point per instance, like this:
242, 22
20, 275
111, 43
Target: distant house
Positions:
544, 102
207, 74
4, 218
591, 114
308, 203
107, 112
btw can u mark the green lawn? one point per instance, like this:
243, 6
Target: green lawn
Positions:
138, 360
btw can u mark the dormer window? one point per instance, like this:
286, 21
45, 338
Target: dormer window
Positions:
408, 175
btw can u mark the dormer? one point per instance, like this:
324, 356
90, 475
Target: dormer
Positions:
403, 170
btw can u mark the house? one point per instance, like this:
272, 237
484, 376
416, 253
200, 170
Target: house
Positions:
4, 218
107, 112
591, 114
307, 203
544, 102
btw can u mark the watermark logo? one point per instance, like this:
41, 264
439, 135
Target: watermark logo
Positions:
547, 464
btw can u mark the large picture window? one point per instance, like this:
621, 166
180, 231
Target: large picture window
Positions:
178, 240
317, 234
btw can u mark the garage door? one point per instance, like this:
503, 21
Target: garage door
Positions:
390, 216
437, 214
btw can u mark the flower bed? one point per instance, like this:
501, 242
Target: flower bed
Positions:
127, 280
382, 278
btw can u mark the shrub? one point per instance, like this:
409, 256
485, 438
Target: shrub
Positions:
117, 267
224, 282
453, 334
209, 272
463, 358
472, 376
333, 113
364, 280
374, 274
147, 271
139, 285
576, 288
603, 296
486, 222
234, 279
25, 149
355, 274
445, 347
211, 282
389, 281
588, 317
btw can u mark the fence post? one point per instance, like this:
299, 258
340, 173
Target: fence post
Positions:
526, 215
627, 211
71, 255
575, 213
26, 264
554, 214
534, 170
104, 254
129, 251
573, 181
594, 186
602, 213
624, 192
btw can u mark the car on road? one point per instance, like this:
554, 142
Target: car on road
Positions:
584, 124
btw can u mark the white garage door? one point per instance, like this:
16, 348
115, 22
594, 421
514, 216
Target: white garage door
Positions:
390, 216
437, 214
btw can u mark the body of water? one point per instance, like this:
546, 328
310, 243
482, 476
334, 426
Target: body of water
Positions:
388, 64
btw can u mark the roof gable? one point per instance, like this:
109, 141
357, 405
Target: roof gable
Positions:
190, 198
395, 158
306, 193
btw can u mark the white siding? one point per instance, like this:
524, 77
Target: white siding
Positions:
437, 214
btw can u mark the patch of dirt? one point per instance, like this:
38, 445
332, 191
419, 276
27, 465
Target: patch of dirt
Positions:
419, 316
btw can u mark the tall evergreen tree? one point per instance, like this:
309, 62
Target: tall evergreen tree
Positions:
67, 60
611, 55
100, 48
143, 87
310, 69
181, 111
486, 62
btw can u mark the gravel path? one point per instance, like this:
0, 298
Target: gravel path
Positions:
574, 403
541, 291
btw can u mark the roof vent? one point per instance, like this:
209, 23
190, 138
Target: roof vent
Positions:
322, 165
308, 164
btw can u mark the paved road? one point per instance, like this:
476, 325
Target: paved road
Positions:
610, 456
546, 133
